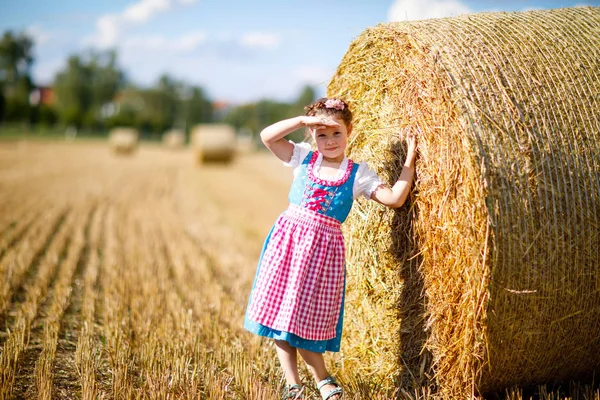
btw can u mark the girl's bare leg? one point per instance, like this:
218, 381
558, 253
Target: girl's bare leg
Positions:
316, 363
288, 358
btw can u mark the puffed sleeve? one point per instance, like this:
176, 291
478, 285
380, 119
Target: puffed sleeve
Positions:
301, 150
365, 182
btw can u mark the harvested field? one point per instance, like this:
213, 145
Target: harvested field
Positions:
127, 277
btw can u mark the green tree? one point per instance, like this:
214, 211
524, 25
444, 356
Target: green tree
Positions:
72, 90
158, 107
168, 104
244, 116
196, 107
16, 60
256, 116
86, 86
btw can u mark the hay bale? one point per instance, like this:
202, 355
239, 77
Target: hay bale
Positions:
174, 139
123, 140
213, 142
491, 277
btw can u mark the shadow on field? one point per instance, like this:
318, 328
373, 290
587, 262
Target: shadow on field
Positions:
413, 359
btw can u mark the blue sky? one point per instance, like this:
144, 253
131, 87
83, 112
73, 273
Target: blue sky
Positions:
238, 51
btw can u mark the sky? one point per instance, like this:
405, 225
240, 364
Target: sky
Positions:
238, 51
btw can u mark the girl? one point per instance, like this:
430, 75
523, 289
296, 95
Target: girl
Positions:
298, 294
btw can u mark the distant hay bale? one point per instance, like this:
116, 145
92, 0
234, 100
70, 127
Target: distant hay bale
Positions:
123, 140
213, 142
174, 139
491, 278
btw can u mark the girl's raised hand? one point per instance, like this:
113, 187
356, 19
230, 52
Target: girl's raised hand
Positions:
319, 122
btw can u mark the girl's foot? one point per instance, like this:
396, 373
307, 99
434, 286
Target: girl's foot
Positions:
293, 392
330, 389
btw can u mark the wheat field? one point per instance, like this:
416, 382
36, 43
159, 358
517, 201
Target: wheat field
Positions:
127, 277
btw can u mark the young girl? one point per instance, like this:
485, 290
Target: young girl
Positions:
298, 294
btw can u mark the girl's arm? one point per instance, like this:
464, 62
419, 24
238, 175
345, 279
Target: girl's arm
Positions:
273, 135
396, 195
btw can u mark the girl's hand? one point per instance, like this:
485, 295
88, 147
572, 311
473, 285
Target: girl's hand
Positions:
410, 134
318, 122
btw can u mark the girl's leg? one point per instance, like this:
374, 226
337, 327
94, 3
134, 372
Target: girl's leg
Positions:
288, 358
317, 365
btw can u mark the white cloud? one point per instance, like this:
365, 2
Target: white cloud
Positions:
145, 9
38, 35
403, 10
110, 28
260, 40
107, 31
190, 41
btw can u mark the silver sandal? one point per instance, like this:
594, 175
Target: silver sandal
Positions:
330, 380
293, 392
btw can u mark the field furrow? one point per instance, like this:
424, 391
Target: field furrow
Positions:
21, 262
164, 329
192, 269
87, 353
23, 342
63, 371
60, 297
22, 218
116, 362
204, 302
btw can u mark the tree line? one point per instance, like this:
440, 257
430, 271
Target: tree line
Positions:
93, 93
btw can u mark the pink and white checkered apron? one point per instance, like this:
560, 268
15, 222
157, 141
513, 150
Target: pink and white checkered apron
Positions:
300, 282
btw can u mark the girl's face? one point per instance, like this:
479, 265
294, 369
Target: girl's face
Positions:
332, 140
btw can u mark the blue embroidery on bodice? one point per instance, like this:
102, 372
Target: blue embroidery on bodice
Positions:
333, 201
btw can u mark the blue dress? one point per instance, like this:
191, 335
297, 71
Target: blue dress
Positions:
309, 195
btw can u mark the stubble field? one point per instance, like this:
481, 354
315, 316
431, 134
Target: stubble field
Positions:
127, 277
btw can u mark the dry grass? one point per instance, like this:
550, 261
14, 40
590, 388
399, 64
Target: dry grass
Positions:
489, 278
140, 277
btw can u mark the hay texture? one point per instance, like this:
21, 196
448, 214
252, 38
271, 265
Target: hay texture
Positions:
123, 140
174, 139
213, 142
490, 278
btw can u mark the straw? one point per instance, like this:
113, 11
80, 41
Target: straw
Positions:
489, 277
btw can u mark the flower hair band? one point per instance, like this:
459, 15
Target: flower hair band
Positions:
335, 103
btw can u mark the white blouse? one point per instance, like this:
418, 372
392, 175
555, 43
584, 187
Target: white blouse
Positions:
365, 181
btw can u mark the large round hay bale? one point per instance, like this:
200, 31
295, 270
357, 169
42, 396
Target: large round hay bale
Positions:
174, 139
213, 142
491, 277
123, 140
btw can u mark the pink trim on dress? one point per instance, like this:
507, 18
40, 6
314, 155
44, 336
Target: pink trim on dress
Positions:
325, 182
